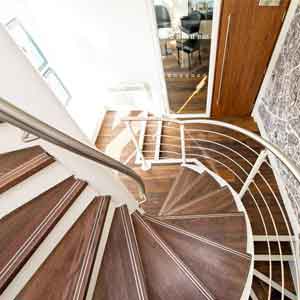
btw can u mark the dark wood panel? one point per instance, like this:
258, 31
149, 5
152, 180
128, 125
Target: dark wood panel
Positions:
18, 165
226, 229
164, 277
223, 271
22, 231
219, 201
121, 275
183, 180
200, 186
252, 35
66, 272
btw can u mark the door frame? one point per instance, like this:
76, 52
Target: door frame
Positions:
212, 62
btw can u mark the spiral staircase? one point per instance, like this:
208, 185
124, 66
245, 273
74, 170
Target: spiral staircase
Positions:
62, 239
196, 248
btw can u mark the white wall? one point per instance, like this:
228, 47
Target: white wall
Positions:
23, 86
94, 45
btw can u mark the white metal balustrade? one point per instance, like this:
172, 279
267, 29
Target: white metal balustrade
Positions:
182, 142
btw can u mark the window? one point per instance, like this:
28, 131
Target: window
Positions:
57, 86
27, 44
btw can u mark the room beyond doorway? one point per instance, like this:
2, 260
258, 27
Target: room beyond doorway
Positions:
188, 36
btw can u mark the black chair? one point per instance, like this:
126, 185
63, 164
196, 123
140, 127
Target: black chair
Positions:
163, 20
191, 24
189, 47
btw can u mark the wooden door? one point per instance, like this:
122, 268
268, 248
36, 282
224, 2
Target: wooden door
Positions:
248, 34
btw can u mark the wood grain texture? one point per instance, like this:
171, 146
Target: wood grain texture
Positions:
160, 178
166, 275
182, 181
226, 229
200, 186
263, 267
223, 271
253, 33
219, 201
66, 272
121, 275
18, 165
22, 231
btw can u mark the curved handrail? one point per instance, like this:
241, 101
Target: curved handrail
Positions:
261, 158
270, 147
17, 117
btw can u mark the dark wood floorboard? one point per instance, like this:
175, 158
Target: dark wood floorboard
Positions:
159, 179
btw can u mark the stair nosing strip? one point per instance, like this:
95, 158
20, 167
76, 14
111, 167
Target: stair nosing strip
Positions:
196, 200
187, 217
189, 274
162, 209
27, 164
199, 238
88, 252
132, 257
41, 226
187, 190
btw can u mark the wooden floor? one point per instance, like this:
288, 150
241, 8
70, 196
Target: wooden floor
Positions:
181, 82
159, 179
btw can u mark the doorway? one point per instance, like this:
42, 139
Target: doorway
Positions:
188, 33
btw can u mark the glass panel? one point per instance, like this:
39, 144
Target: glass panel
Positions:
27, 44
57, 86
185, 32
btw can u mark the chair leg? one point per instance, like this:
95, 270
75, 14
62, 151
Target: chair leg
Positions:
166, 47
178, 57
190, 61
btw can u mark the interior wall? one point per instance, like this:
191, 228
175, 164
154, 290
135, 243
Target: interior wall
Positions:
93, 46
24, 87
278, 106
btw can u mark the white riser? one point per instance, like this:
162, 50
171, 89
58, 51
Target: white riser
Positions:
48, 245
32, 187
12, 139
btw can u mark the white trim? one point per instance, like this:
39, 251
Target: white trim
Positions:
276, 52
272, 238
158, 140
99, 125
213, 54
164, 102
100, 252
274, 285
212, 65
143, 129
199, 167
32, 187
266, 257
280, 183
253, 295
48, 245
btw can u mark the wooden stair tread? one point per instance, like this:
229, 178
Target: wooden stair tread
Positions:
202, 185
121, 263
219, 201
66, 272
182, 181
22, 231
260, 289
261, 248
166, 275
222, 270
263, 267
18, 165
226, 229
